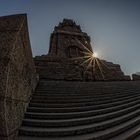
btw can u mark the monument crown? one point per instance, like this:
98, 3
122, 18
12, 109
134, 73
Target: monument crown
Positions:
68, 40
68, 25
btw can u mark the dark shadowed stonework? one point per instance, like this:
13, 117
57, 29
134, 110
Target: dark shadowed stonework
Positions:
70, 57
17, 73
136, 77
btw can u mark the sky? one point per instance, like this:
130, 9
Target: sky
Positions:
113, 25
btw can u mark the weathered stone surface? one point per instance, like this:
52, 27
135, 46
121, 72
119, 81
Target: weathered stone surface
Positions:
17, 73
70, 57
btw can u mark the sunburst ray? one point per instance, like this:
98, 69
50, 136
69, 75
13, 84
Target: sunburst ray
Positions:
81, 57
104, 64
85, 61
84, 46
100, 68
89, 64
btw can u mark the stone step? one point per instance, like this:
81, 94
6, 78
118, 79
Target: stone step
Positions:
59, 86
121, 132
77, 130
92, 112
78, 121
130, 134
83, 91
79, 95
84, 105
88, 84
99, 108
80, 98
83, 102
96, 85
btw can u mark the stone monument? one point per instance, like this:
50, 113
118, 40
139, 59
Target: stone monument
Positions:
71, 57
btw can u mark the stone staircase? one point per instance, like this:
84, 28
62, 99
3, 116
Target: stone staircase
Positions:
62, 110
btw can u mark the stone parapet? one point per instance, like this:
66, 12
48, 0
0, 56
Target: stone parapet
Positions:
17, 73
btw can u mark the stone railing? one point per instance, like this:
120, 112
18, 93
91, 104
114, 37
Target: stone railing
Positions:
17, 73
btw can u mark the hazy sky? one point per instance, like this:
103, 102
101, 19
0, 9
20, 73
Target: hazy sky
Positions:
113, 25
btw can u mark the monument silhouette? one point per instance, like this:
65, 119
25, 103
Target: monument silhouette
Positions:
71, 57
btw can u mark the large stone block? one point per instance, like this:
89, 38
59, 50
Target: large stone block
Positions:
17, 73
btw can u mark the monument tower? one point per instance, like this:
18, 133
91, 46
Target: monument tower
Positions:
68, 41
70, 57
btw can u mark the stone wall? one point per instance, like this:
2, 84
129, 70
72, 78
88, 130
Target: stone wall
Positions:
17, 73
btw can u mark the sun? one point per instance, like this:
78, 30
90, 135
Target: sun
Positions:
95, 54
